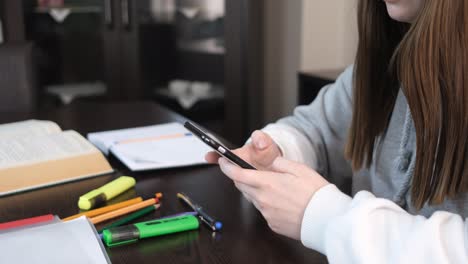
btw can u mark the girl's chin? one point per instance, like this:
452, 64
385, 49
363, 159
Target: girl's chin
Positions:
399, 13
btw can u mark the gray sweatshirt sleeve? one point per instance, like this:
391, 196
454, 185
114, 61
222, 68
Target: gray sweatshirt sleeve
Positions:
316, 134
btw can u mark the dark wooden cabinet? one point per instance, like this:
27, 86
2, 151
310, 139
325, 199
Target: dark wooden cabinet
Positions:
119, 44
12, 19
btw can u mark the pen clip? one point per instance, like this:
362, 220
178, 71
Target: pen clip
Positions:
206, 222
187, 200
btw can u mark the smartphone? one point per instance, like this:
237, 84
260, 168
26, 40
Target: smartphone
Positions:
217, 146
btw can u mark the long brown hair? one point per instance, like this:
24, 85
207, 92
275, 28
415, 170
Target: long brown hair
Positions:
429, 61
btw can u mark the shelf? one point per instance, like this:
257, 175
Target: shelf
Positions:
205, 110
209, 46
188, 99
73, 9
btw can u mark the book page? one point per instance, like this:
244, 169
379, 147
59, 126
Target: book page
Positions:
30, 150
28, 128
75, 241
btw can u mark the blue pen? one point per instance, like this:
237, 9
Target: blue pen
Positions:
204, 217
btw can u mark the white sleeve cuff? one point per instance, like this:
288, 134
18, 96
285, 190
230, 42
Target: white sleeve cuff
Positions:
293, 144
327, 203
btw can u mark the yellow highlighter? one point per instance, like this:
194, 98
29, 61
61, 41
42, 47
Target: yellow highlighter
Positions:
99, 196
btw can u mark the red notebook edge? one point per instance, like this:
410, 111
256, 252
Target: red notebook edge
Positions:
27, 222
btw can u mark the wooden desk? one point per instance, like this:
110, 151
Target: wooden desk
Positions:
245, 238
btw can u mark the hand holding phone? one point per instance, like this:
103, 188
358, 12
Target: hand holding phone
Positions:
217, 146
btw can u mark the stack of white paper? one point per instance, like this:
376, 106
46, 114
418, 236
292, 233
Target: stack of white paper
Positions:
70, 242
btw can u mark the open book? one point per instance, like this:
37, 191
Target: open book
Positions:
152, 147
37, 153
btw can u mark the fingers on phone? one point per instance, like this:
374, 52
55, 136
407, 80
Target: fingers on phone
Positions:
212, 157
243, 152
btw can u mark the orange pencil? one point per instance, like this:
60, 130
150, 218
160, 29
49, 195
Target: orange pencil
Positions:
106, 209
123, 211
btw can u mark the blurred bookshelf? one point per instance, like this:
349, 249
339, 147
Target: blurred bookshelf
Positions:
131, 49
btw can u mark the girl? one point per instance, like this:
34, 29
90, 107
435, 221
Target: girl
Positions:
396, 123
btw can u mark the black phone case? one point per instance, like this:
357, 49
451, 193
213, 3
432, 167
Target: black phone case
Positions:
218, 147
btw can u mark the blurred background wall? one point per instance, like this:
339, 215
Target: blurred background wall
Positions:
304, 35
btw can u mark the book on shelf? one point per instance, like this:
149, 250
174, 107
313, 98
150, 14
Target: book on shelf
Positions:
1, 32
37, 153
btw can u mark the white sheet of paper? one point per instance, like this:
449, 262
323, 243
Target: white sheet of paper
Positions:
167, 153
152, 154
71, 242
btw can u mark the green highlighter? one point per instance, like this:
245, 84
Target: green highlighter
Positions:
99, 196
131, 233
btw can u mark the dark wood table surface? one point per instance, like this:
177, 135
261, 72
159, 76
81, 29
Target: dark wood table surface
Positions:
245, 237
